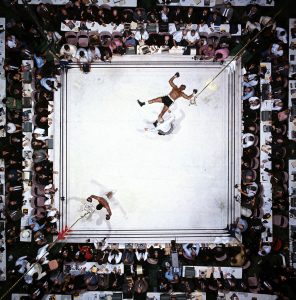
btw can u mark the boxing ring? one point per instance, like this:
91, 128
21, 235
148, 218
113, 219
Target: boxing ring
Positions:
176, 187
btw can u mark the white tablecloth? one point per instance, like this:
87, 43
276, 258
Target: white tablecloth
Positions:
227, 271
93, 26
2, 57
292, 50
292, 122
207, 3
265, 151
212, 28
249, 296
26, 236
292, 174
3, 254
45, 297
77, 268
54, 2
292, 220
119, 3
2, 178
196, 3
27, 91
247, 2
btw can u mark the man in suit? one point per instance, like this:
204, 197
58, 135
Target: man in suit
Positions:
203, 16
215, 18
176, 16
189, 16
166, 127
226, 11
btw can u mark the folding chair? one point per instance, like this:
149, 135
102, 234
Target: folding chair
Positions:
71, 38
83, 39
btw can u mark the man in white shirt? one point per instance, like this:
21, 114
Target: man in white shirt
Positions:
268, 22
250, 189
254, 103
141, 36
82, 55
251, 26
114, 257
192, 37
39, 134
278, 105
189, 252
94, 53
83, 60
277, 50
48, 83
11, 42
166, 127
180, 37
264, 250
21, 264
34, 268
281, 34
203, 27
101, 245
42, 254
68, 51
248, 140
141, 254
250, 80
164, 14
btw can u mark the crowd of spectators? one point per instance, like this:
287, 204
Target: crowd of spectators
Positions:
193, 29
152, 266
271, 46
265, 265
43, 77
